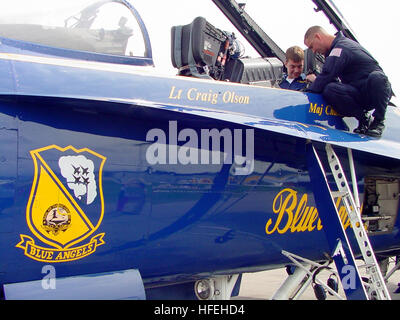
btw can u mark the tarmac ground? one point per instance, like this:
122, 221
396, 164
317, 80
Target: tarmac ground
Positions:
262, 285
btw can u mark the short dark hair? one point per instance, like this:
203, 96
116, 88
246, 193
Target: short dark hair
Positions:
313, 30
295, 54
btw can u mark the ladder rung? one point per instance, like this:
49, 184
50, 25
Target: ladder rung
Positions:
376, 218
337, 194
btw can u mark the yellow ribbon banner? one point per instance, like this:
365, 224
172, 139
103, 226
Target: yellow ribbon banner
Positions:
39, 253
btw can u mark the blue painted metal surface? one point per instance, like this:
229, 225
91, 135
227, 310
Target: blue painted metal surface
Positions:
123, 285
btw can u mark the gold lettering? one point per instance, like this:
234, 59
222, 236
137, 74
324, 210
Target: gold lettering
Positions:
226, 97
232, 97
330, 111
37, 254
173, 95
78, 252
214, 99
299, 213
32, 252
59, 256
282, 210
90, 246
194, 95
297, 216
189, 94
312, 219
344, 218
44, 254
305, 219
67, 255
314, 108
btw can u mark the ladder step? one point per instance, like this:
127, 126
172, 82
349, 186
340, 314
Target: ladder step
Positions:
339, 244
376, 218
337, 194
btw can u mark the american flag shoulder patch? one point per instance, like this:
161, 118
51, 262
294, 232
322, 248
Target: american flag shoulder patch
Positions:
336, 52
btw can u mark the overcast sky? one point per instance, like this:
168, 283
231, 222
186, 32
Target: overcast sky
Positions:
374, 23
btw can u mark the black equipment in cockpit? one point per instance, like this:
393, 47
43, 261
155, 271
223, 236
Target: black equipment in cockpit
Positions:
200, 50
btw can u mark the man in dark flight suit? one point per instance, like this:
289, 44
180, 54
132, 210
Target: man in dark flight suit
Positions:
351, 81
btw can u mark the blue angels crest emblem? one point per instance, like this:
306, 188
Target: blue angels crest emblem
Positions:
66, 204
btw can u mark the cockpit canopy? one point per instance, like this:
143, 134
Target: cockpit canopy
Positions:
107, 27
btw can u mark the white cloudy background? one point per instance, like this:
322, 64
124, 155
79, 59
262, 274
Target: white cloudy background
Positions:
375, 23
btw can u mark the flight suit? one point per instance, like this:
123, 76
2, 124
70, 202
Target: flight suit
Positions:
297, 84
352, 81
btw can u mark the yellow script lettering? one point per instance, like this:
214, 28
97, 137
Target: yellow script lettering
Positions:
292, 214
283, 205
295, 215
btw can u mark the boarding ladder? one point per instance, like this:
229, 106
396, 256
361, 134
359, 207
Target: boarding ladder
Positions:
341, 249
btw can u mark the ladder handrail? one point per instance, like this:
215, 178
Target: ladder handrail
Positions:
372, 269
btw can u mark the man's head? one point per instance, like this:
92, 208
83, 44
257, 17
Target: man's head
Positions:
294, 62
318, 40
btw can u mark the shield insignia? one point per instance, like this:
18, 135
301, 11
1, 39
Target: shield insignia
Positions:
66, 204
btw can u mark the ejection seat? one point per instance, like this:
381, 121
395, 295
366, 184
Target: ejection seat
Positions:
200, 50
